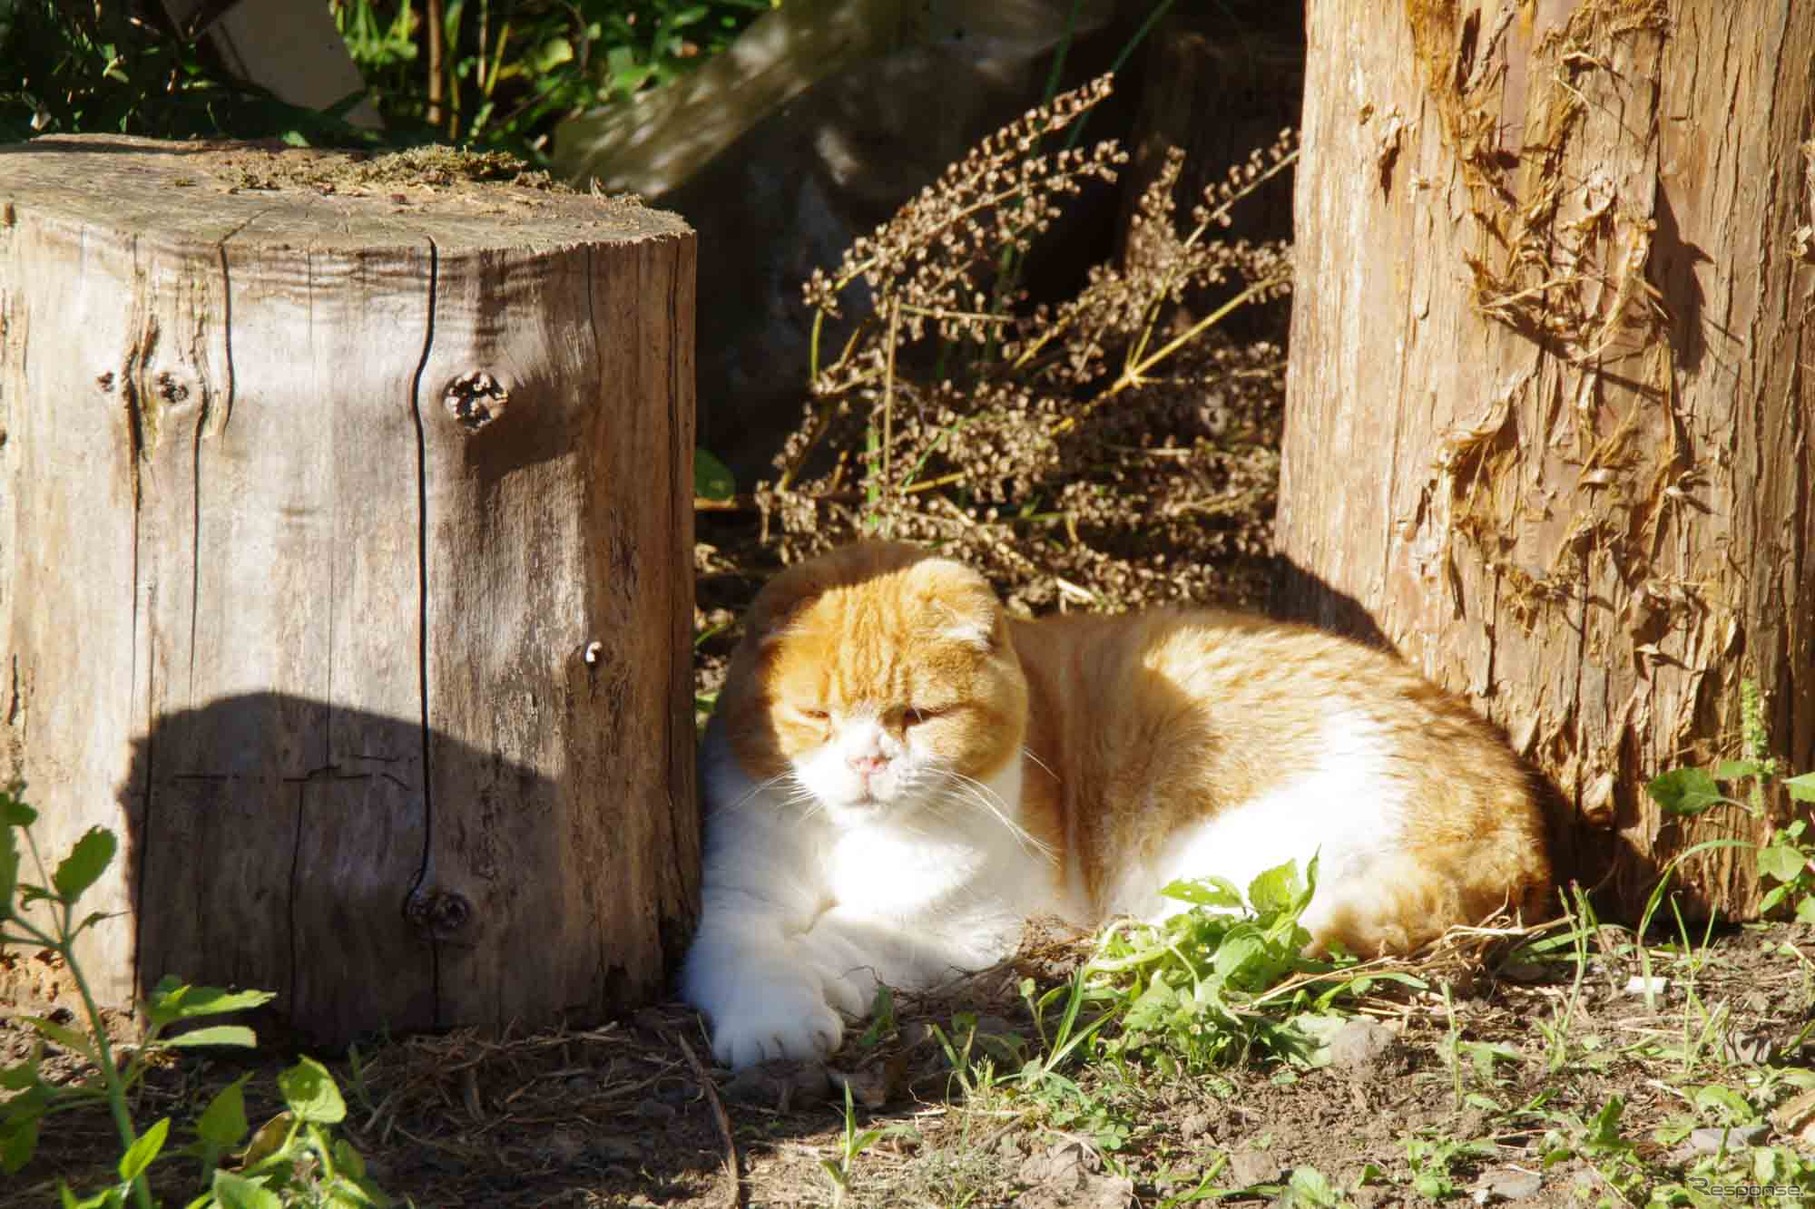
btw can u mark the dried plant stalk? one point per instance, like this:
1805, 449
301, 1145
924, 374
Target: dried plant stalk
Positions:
1112, 450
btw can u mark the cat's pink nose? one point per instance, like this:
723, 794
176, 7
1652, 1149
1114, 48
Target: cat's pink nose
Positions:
869, 766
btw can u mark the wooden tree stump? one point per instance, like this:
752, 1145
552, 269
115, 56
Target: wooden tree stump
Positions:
346, 572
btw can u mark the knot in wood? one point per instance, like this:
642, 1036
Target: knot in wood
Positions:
170, 389
475, 399
439, 913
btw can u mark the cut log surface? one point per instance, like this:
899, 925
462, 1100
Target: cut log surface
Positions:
346, 572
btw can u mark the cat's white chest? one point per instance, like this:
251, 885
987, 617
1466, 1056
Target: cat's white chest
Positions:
890, 874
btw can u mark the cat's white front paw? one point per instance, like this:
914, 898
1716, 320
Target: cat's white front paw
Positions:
774, 1020
852, 991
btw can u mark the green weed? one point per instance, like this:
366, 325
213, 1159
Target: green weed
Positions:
1786, 860
854, 1142
1222, 983
293, 1160
1434, 1161
105, 68
1226, 981
509, 70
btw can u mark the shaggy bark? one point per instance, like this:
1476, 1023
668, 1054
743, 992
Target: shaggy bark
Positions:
1549, 412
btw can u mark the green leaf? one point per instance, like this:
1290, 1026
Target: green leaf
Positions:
223, 1122
1604, 1126
1433, 1185
712, 479
20, 1077
349, 1159
216, 1034
1204, 892
1802, 788
310, 1092
68, 1038
1276, 889
238, 1192
18, 1142
171, 1000
13, 812
1805, 910
9, 871
1687, 791
85, 862
1780, 862
1733, 1107
268, 1140
1311, 1188
144, 1149
107, 1198
1734, 770
1238, 950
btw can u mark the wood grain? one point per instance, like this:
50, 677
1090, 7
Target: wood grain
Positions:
351, 579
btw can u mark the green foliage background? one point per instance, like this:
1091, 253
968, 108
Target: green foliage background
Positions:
510, 70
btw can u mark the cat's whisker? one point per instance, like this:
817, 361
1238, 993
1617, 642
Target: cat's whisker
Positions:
991, 801
1029, 753
756, 790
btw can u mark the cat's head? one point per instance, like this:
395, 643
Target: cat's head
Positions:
875, 680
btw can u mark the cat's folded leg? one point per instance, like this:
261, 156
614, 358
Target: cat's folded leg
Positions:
855, 953
765, 997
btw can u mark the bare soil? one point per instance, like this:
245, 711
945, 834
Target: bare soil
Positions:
625, 1114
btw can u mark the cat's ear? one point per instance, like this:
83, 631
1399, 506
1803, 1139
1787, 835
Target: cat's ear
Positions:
767, 627
984, 634
963, 605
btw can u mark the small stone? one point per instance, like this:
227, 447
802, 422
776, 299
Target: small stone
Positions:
1194, 1126
780, 1085
1088, 1192
1248, 1167
869, 1085
1066, 1176
1711, 1140
1365, 1046
1067, 1161
1753, 1049
1507, 1184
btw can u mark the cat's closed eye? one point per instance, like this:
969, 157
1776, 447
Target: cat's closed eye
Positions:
914, 715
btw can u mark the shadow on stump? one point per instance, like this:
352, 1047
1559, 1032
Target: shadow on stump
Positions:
282, 843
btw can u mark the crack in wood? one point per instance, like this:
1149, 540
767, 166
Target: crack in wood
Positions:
422, 621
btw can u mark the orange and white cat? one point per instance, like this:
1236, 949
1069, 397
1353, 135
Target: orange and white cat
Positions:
899, 774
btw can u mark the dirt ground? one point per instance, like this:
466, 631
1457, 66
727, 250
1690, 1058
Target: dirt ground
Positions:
625, 1114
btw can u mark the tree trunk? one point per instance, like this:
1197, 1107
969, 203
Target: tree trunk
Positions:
1549, 408
346, 572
